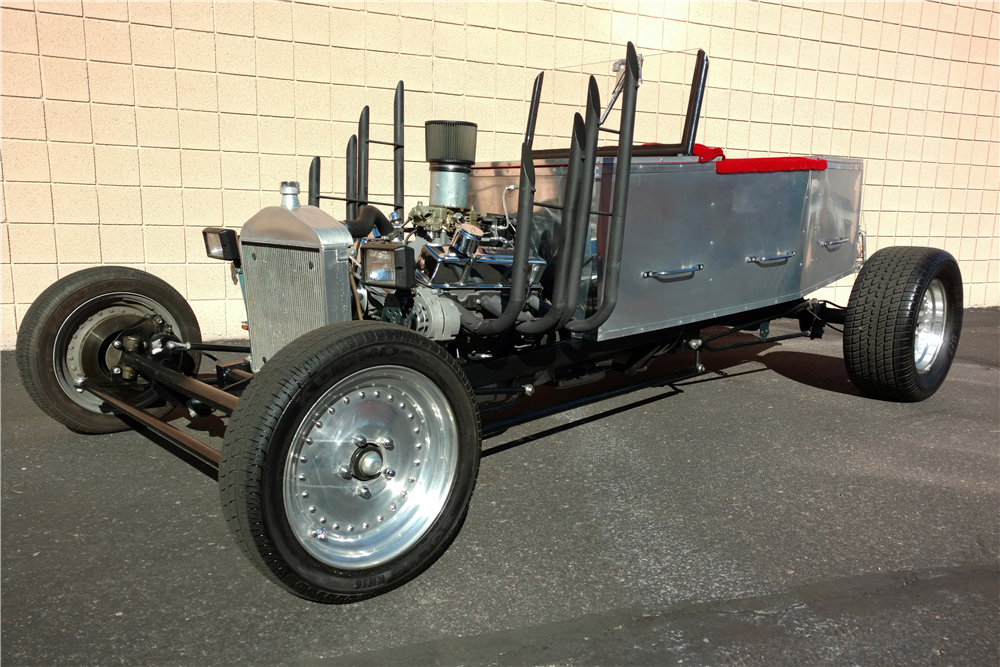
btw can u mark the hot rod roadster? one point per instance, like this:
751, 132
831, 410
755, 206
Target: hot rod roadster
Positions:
378, 343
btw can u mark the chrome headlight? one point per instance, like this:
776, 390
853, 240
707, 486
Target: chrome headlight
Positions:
388, 265
221, 243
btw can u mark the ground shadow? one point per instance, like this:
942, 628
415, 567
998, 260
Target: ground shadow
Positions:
813, 370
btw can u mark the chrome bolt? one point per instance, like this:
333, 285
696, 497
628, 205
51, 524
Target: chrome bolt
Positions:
360, 441
416, 463
392, 508
350, 528
379, 518
332, 410
365, 492
416, 430
117, 344
318, 423
378, 394
402, 406
361, 394
305, 494
322, 519
302, 459
302, 478
390, 473
410, 416
412, 479
364, 525
344, 471
116, 370
312, 508
391, 398
403, 493
336, 526
309, 441
346, 400
701, 368
314, 533
419, 445
387, 443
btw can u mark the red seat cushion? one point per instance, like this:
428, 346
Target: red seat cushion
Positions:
764, 164
756, 164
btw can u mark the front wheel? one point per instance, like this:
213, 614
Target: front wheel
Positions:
68, 334
350, 461
903, 323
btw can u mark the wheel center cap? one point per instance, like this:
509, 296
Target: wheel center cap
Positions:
370, 463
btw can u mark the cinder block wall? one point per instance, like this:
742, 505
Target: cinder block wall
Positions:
129, 126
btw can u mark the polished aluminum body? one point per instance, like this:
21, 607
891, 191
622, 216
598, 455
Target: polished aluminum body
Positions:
698, 244
295, 270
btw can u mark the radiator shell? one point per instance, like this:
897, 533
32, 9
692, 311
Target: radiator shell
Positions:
295, 273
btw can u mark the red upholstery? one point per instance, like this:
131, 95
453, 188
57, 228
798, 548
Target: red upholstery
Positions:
764, 164
705, 153
756, 164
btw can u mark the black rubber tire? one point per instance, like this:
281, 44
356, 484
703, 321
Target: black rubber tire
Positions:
75, 297
257, 442
881, 321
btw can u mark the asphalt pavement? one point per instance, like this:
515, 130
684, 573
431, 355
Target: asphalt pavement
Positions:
763, 513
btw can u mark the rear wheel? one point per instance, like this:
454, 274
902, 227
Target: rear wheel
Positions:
350, 461
903, 323
68, 332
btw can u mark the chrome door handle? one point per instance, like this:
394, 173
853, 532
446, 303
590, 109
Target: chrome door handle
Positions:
657, 274
756, 260
836, 241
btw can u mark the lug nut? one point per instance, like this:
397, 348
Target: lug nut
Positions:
360, 441
344, 471
390, 473
365, 492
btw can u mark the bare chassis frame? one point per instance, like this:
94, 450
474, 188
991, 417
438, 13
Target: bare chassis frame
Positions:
219, 391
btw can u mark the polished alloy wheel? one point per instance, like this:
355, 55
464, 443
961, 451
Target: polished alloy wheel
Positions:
370, 468
932, 317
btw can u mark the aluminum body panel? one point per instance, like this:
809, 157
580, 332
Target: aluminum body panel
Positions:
295, 271
681, 214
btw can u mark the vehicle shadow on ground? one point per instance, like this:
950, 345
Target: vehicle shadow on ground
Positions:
818, 371
814, 370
